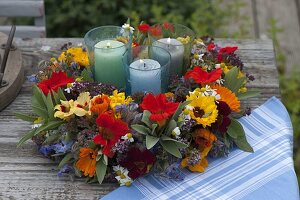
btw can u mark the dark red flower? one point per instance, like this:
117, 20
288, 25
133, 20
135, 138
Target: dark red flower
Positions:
159, 107
138, 162
144, 28
155, 31
211, 46
201, 76
168, 26
57, 80
223, 121
225, 51
110, 131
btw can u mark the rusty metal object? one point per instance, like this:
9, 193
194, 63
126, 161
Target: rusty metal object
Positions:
8, 46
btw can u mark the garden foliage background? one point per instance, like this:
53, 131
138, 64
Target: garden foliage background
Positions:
217, 18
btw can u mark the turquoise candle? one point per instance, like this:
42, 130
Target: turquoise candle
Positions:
108, 62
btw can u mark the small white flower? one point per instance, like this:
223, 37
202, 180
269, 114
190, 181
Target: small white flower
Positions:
217, 66
122, 175
80, 44
220, 81
188, 107
36, 126
45, 48
211, 92
128, 137
176, 132
68, 89
127, 28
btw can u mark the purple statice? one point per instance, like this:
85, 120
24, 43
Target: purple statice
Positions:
86, 136
121, 147
188, 125
62, 147
233, 60
247, 111
194, 157
32, 78
250, 77
66, 169
47, 150
174, 172
219, 149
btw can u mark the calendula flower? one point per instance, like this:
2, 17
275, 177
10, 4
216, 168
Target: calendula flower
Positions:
118, 99
110, 131
76, 54
122, 175
202, 109
204, 139
64, 110
100, 104
200, 166
228, 97
57, 80
201, 76
81, 105
160, 108
87, 161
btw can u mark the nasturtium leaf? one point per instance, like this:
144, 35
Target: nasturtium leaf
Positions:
151, 141
141, 129
100, 170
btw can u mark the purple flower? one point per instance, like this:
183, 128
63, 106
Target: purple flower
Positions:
46, 150
65, 170
62, 147
32, 78
174, 172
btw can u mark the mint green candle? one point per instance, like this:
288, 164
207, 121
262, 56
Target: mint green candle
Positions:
108, 62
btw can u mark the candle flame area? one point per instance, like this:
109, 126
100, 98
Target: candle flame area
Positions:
108, 45
141, 61
169, 40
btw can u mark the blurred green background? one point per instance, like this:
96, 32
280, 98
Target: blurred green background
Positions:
227, 18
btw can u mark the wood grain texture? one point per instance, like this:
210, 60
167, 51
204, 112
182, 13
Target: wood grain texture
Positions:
25, 174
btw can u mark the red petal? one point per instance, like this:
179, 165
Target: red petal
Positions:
105, 120
150, 103
98, 139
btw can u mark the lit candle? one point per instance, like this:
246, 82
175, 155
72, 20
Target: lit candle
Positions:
145, 75
108, 62
176, 49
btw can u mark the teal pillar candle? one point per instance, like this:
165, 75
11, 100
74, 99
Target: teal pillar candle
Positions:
108, 66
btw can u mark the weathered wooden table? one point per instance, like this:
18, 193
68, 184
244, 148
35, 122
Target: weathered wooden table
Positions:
26, 174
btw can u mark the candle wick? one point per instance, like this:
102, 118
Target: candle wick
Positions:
144, 65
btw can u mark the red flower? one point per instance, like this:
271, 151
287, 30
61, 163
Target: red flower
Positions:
138, 162
155, 31
168, 26
211, 46
54, 82
224, 51
201, 76
159, 107
111, 130
144, 28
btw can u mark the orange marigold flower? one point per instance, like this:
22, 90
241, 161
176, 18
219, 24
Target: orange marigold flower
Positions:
100, 104
228, 97
87, 161
198, 167
204, 138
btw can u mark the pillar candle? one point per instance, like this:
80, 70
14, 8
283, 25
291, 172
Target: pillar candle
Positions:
176, 49
145, 75
108, 62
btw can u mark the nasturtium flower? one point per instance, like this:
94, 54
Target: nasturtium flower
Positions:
228, 97
110, 132
76, 54
87, 161
82, 104
144, 28
201, 76
155, 31
100, 104
202, 109
200, 166
64, 110
57, 80
159, 106
118, 99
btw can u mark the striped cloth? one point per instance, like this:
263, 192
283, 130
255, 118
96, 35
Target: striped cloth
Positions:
268, 173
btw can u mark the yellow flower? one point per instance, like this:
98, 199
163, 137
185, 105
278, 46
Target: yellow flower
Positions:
242, 90
77, 54
184, 40
64, 110
203, 109
228, 97
198, 167
82, 105
118, 99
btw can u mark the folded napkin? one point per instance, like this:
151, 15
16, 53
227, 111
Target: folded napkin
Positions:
268, 173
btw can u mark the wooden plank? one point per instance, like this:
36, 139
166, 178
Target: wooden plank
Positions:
26, 174
26, 31
28, 8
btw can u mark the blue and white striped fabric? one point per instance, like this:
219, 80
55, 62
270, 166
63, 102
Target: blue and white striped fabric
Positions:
268, 173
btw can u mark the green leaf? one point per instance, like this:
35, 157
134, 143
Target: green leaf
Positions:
90, 180
105, 160
178, 143
25, 117
87, 74
145, 118
53, 137
38, 97
26, 137
56, 97
171, 147
61, 94
151, 141
141, 129
154, 126
232, 82
179, 110
248, 94
237, 133
100, 170
49, 126
40, 111
50, 107
171, 126
65, 160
